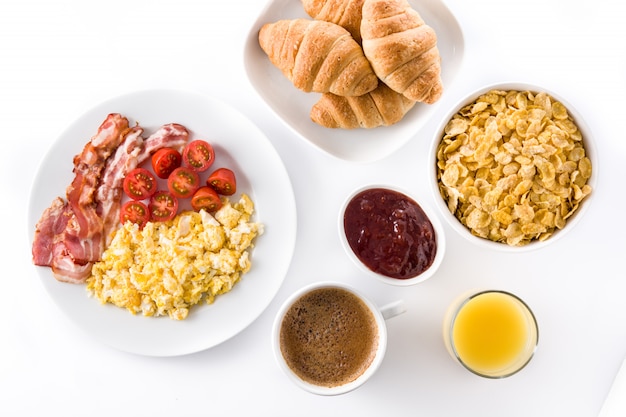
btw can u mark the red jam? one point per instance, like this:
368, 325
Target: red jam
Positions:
390, 233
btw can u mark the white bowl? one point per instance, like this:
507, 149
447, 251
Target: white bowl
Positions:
441, 204
428, 211
293, 106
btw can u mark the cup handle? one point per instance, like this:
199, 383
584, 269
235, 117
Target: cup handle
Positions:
393, 309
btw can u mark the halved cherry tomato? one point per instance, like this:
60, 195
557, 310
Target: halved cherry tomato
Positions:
198, 155
223, 181
140, 184
135, 212
165, 160
163, 206
183, 182
206, 198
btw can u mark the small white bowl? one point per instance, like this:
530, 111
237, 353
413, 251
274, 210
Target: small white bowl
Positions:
434, 220
461, 229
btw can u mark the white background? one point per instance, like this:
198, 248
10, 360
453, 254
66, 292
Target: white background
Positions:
60, 58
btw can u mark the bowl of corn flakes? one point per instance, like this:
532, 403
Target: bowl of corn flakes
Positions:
514, 167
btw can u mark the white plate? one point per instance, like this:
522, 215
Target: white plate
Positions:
293, 106
261, 174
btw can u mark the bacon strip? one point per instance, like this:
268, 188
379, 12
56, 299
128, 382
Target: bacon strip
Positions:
171, 135
109, 193
49, 230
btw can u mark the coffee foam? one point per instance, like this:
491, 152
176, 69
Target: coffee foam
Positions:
329, 337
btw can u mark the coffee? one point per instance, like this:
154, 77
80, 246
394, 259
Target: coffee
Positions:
329, 337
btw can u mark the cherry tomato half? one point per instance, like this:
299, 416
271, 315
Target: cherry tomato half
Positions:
206, 198
163, 206
135, 212
223, 181
165, 160
183, 182
140, 184
198, 155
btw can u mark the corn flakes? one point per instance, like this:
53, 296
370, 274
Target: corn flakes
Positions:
512, 166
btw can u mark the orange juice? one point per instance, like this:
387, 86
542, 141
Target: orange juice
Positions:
493, 334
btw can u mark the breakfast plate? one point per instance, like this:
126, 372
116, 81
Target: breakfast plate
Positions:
293, 106
261, 175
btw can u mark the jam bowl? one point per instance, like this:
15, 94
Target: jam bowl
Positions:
390, 236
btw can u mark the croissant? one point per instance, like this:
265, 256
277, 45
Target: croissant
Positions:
345, 13
402, 49
318, 56
381, 107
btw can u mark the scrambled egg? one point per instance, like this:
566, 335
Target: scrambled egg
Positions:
167, 267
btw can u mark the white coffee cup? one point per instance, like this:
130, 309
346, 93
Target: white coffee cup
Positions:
286, 348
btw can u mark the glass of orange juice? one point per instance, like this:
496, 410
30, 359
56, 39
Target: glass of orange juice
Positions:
492, 333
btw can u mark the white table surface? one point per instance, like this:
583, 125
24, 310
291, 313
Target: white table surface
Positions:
60, 58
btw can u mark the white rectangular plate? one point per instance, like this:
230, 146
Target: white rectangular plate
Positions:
293, 106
